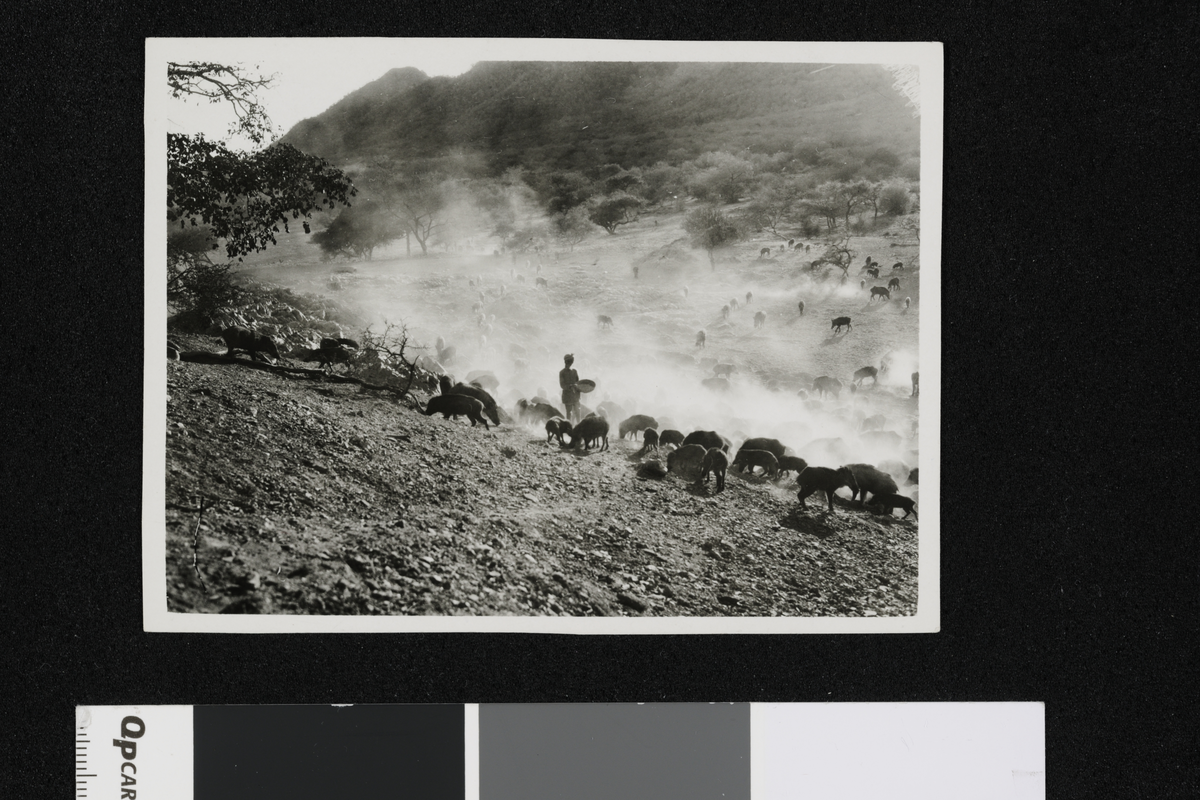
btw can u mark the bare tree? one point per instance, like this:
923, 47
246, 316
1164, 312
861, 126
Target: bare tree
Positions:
219, 83
391, 344
912, 226
853, 196
824, 202
711, 229
837, 253
775, 202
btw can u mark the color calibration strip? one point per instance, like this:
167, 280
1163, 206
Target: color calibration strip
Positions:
630, 751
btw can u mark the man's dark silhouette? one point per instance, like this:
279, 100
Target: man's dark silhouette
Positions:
567, 378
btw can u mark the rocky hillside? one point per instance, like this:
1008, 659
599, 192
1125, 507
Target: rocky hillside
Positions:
326, 499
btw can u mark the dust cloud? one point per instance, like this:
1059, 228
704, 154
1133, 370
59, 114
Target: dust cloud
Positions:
487, 305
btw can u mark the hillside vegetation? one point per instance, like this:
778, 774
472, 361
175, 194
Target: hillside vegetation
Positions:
579, 115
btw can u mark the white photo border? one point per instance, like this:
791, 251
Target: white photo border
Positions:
926, 56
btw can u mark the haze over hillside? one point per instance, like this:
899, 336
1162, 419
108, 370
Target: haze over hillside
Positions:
580, 114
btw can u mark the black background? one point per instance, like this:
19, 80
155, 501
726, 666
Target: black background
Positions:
1069, 564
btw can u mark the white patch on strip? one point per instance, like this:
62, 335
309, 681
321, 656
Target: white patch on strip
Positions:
133, 751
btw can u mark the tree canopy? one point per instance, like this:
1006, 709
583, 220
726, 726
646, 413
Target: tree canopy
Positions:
244, 197
615, 210
419, 199
215, 193
710, 229
571, 227
356, 232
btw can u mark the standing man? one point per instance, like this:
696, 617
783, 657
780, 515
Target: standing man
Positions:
567, 378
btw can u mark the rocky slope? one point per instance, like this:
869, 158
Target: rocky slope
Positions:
328, 499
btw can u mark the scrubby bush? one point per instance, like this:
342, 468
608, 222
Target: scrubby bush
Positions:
721, 177
661, 182
198, 288
571, 228
356, 232
894, 201
562, 191
710, 229
614, 210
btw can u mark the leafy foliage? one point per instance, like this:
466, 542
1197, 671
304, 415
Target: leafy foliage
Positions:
246, 197
356, 232
562, 191
894, 200
710, 229
824, 202
662, 182
776, 202
853, 196
572, 227
615, 210
722, 177
215, 193
624, 180
195, 285
416, 196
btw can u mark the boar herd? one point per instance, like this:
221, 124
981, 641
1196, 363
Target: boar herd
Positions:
699, 455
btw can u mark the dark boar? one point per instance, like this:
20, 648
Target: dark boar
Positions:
824, 479
772, 446
536, 411
489, 403
749, 459
870, 480
709, 439
671, 437
557, 428
890, 502
638, 422
251, 341
590, 430
687, 460
456, 405
715, 462
792, 464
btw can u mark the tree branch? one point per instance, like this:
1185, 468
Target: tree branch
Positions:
206, 357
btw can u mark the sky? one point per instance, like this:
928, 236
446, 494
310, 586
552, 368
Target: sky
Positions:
312, 74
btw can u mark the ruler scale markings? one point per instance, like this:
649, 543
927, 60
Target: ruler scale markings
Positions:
81, 761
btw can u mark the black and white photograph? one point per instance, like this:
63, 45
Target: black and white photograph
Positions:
530, 360
542, 335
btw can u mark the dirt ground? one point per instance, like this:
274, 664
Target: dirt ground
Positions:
322, 498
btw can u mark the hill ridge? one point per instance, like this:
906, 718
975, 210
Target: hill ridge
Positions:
574, 115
